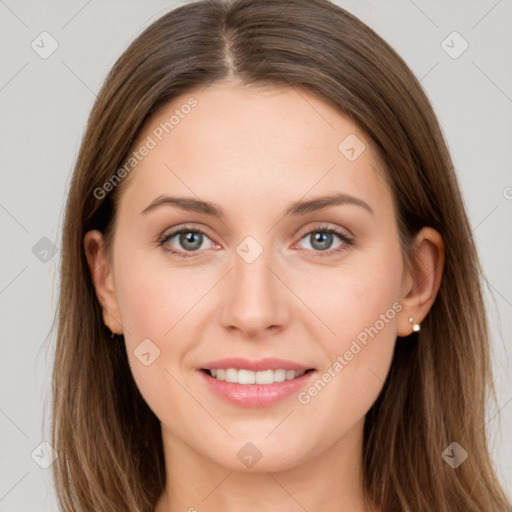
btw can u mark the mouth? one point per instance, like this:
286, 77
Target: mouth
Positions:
251, 383
247, 377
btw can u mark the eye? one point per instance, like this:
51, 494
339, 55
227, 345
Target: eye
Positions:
189, 240
321, 240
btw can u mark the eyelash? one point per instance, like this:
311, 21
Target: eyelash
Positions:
347, 240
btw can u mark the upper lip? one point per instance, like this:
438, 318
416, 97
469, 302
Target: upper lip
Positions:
269, 363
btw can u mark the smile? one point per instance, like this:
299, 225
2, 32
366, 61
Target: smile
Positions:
255, 383
246, 377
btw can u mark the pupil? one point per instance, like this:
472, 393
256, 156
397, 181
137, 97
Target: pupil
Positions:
322, 240
194, 239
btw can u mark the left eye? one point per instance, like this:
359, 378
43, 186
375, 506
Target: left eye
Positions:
321, 240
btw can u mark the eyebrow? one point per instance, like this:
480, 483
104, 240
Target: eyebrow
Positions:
296, 208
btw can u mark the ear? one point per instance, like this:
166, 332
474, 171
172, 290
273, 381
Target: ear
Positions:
102, 276
422, 279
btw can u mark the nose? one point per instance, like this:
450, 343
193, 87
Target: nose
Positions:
255, 299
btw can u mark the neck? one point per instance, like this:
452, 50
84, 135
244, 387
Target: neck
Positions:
328, 481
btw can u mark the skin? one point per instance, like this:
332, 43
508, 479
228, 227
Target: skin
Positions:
253, 151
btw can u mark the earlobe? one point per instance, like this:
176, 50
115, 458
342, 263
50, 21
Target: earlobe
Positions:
422, 281
102, 277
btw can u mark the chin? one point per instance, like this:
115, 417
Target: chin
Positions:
260, 456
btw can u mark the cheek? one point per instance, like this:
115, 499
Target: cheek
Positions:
359, 304
157, 308
366, 310
154, 297
164, 305
354, 296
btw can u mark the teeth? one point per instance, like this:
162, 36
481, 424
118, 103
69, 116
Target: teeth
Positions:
249, 377
264, 377
231, 375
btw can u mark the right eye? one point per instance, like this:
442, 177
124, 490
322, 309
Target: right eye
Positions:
190, 240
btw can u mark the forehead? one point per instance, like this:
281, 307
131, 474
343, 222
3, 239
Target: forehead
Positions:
272, 143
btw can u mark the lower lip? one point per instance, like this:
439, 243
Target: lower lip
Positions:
256, 395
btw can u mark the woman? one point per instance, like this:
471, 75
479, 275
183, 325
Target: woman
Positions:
270, 295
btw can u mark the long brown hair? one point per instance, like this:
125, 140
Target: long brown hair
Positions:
108, 440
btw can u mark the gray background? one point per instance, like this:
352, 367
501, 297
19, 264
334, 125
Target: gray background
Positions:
44, 106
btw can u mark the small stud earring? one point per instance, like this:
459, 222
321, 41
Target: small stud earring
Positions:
415, 327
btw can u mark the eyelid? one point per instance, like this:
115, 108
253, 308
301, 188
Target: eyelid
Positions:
176, 230
324, 226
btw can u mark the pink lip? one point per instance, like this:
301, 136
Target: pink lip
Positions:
269, 363
256, 395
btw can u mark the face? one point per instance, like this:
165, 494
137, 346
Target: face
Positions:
265, 281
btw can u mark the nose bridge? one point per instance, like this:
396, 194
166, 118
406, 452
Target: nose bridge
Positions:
254, 301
